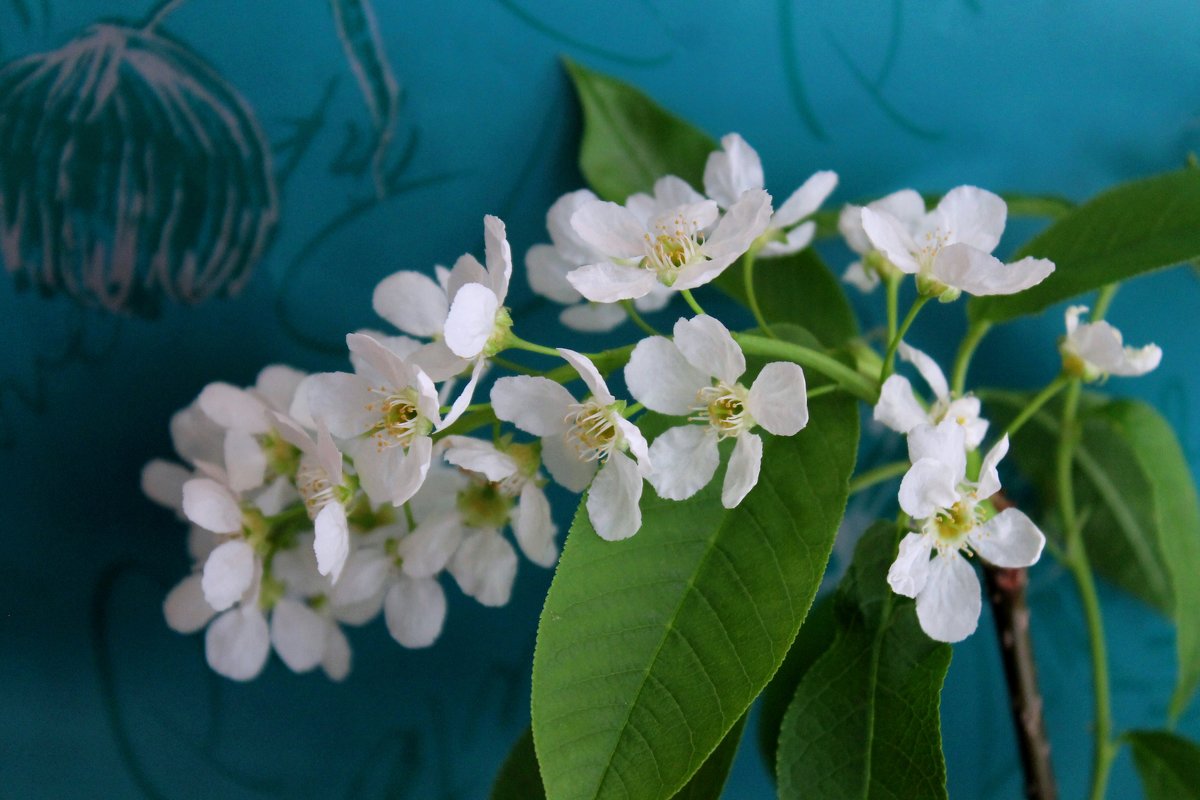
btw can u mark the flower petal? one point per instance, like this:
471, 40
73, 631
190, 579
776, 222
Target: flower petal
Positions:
211, 506
898, 407
558, 222
732, 170
546, 270
660, 378
778, 398
298, 634
945, 443
708, 346
591, 376
234, 408
612, 502
910, 570
498, 256
635, 443
949, 604
685, 459
534, 404
744, 222
472, 320
564, 465
414, 610
593, 317
467, 269
973, 216
891, 237
534, 527
228, 573
807, 199
332, 542
362, 578
742, 473
1009, 539
277, 384
606, 282
162, 482
794, 241
412, 470
857, 276
336, 661
989, 478
237, 644
930, 371
344, 401
610, 229
412, 302
185, 608
978, 273
485, 567
427, 550
479, 456
245, 461
928, 486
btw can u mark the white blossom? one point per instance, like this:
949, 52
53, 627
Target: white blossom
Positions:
1094, 350
906, 207
697, 376
899, 409
951, 522
583, 442
736, 169
950, 249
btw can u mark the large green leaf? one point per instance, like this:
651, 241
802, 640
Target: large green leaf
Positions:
1129, 229
798, 289
1168, 765
1141, 514
864, 721
815, 637
649, 650
629, 141
519, 778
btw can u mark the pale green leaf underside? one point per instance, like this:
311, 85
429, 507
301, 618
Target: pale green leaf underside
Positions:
650, 650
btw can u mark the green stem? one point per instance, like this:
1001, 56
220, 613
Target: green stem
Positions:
858, 385
513, 366
752, 295
518, 343
632, 409
691, 301
893, 303
889, 360
637, 319
1104, 748
828, 388
1054, 387
1104, 300
879, 474
966, 351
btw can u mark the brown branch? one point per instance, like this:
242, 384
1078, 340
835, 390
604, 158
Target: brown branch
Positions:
1006, 595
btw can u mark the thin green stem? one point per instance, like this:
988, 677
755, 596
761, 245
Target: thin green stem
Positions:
828, 388
1104, 300
1104, 749
518, 343
966, 351
691, 301
513, 366
409, 518
893, 303
889, 359
877, 475
637, 319
752, 295
632, 409
1054, 387
850, 380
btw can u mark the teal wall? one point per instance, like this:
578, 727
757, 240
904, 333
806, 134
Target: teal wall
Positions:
100, 699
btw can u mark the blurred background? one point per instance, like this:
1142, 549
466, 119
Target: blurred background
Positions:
346, 139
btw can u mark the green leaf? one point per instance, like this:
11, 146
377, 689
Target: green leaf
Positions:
1129, 229
1168, 765
629, 141
815, 637
798, 289
651, 649
1142, 516
519, 778
864, 722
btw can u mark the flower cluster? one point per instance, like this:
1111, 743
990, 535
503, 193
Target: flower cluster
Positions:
319, 501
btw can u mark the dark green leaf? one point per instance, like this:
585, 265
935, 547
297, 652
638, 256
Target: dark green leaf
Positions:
1168, 765
798, 289
864, 721
1142, 517
519, 778
815, 637
629, 141
1129, 229
651, 649
709, 780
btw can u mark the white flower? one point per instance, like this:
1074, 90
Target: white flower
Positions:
736, 168
950, 249
905, 206
387, 411
547, 266
576, 436
1094, 350
936, 494
899, 409
673, 248
697, 375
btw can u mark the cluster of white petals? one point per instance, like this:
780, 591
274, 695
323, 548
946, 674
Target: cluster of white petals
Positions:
1094, 350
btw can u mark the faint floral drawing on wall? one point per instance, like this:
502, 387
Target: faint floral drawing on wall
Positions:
130, 172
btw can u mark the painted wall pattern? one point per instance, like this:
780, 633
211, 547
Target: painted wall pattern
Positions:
193, 189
